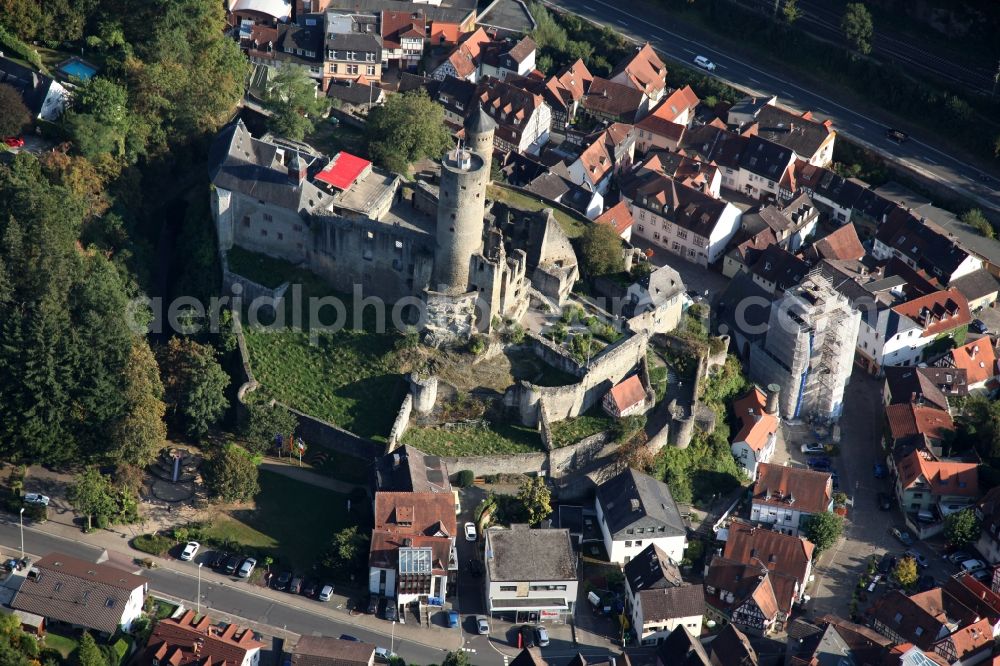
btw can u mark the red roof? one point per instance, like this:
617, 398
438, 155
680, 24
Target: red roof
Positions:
343, 170
184, 642
628, 393
757, 424
977, 358
618, 216
937, 312
944, 477
907, 420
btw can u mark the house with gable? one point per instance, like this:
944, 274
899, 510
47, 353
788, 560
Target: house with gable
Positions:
634, 510
412, 556
613, 102
403, 34
626, 398
44, 97
193, 640
809, 140
929, 386
655, 302
619, 217
754, 443
979, 361
786, 497
523, 119
988, 513
762, 166
925, 483
503, 58
907, 238
463, 61
658, 600
664, 126
645, 72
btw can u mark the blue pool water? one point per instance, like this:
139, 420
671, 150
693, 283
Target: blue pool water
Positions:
79, 69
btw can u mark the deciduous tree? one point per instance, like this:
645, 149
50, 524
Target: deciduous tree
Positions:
602, 250
264, 423
456, 658
294, 103
823, 529
232, 475
92, 495
791, 11
975, 219
858, 27
194, 384
906, 572
14, 115
536, 498
141, 431
407, 128
347, 550
961, 528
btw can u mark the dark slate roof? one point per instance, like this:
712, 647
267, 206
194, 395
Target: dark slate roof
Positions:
549, 186
479, 122
779, 266
731, 647
752, 320
652, 569
672, 602
791, 130
932, 251
529, 657
634, 499
682, 649
931, 385
354, 41
977, 284
410, 470
523, 554
841, 191
765, 158
354, 93
33, 86
684, 206
307, 38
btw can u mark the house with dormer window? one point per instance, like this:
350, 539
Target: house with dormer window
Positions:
786, 497
635, 510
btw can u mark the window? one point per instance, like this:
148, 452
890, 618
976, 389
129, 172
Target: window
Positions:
352, 69
333, 68
682, 234
268, 218
263, 232
310, 54
508, 588
350, 55
628, 544
638, 543
370, 70
370, 57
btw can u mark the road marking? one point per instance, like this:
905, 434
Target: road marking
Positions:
786, 94
621, 22
823, 111
927, 159
689, 51
858, 125
754, 80
589, 8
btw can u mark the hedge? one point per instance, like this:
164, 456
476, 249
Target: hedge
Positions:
25, 52
154, 544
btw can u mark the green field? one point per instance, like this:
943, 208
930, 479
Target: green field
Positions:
473, 440
262, 269
294, 522
570, 431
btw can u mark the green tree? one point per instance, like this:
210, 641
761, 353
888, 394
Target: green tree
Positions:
456, 658
536, 498
264, 422
823, 529
294, 103
407, 128
602, 250
92, 495
791, 11
961, 528
232, 475
89, 654
141, 431
979, 426
906, 572
975, 219
194, 385
347, 550
858, 28
14, 115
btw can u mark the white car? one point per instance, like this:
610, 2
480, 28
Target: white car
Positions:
247, 568
36, 498
482, 626
470, 532
813, 447
190, 550
704, 63
972, 566
326, 593
384, 655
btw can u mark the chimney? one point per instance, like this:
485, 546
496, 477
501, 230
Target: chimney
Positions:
296, 170
773, 393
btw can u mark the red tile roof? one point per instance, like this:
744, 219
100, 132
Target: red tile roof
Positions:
618, 216
343, 170
778, 485
668, 129
415, 513
628, 393
674, 106
944, 477
644, 71
575, 80
841, 244
184, 642
908, 419
445, 33
596, 160
789, 555
758, 425
978, 358
396, 25
937, 312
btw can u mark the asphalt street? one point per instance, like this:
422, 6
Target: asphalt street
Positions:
645, 23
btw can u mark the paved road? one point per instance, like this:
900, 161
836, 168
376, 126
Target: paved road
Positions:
644, 23
232, 601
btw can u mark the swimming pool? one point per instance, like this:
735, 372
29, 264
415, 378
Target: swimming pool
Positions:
78, 68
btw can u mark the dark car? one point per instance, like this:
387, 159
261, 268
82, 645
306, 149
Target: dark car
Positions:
527, 634
391, 612
896, 136
219, 561
348, 637
231, 565
820, 464
886, 564
880, 471
282, 581
978, 326
372, 605
884, 501
310, 588
835, 479
296, 585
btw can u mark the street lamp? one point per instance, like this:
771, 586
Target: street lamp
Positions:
21, 522
392, 640
198, 600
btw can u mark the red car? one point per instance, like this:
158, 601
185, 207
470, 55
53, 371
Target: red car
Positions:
14, 141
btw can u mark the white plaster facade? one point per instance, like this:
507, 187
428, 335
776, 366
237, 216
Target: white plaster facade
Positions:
621, 550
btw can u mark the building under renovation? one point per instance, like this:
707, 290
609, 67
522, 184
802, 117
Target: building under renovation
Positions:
808, 349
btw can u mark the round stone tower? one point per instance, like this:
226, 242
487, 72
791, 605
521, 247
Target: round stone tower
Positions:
465, 172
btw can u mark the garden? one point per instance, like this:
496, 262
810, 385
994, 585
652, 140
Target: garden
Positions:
484, 437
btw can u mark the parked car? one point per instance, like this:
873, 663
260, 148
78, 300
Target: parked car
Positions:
704, 63
972, 566
232, 564
453, 618
979, 326
247, 567
983, 576
876, 579
470, 532
372, 605
960, 556
391, 612
219, 560
835, 480
880, 471
325, 593
295, 587
14, 141
310, 588
903, 536
36, 498
482, 626
918, 558
924, 516
190, 550
896, 136
813, 448
884, 501
541, 636
527, 634
383, 655
282, 581
348, 637
11, 564
820, 464
886, 563
926, 582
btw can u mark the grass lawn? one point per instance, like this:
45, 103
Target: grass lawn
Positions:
341, 466
260, 268
330, 139
472, 440
573, 225
570, 431
294, 522
61, 643
348, 377
162, 608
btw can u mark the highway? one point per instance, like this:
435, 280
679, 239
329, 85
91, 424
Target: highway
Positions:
645, 23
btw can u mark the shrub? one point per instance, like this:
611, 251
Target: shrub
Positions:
38, 513
154, 544
101, 521
465, 478
21, 49
477, 345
